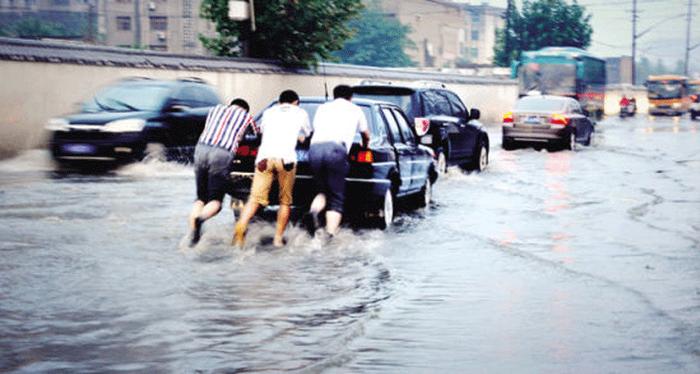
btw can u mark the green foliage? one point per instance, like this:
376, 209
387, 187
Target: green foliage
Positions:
542, 23
378, 41
33, 27
299, 32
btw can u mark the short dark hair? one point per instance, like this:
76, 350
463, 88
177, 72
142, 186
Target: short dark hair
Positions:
342, 91
241, 103
288, 97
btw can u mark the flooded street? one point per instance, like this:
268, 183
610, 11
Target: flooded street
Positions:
549, 262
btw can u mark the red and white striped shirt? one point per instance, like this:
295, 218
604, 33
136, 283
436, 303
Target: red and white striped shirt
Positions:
225, 127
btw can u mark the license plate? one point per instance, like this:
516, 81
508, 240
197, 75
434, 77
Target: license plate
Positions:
81, 149
532, 120
302, 155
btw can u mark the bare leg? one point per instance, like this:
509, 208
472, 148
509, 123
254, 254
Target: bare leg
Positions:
333, 219
282, 220
242, 225
318, 204
200, 213
196, 211
211, 209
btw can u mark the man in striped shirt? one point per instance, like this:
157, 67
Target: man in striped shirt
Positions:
213, 155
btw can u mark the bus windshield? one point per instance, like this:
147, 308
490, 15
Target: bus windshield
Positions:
550, 79
664, 89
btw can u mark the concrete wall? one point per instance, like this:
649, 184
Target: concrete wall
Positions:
40, 81
33, 92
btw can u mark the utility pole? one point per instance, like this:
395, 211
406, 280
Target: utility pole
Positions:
687, 36
137, 24
634, 42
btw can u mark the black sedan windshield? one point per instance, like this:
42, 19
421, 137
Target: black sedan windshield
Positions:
128, 97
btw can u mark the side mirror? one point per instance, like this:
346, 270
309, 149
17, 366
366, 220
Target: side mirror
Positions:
474, 114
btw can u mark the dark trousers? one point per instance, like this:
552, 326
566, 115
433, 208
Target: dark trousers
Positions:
329, 163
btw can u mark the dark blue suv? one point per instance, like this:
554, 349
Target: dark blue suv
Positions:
133, 118
455, 133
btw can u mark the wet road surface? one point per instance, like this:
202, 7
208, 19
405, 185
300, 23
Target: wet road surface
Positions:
549, 262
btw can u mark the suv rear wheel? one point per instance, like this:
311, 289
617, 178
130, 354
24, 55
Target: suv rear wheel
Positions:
441, 163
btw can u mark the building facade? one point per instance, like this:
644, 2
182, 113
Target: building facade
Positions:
482, 21
160, 25
447, 34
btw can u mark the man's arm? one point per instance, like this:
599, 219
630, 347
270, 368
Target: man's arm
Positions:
365, 138
305, 127
364, 129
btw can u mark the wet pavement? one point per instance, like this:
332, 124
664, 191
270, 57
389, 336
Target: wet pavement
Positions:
549, 262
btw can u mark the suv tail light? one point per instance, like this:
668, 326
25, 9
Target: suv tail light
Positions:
422, 125
363, 157
558, 119
694, 98
508, 119
246, 151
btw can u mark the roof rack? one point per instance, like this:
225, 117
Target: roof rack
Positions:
375, 82
191, 80
428, 84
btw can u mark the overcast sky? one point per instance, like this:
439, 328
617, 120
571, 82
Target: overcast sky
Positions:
612, 28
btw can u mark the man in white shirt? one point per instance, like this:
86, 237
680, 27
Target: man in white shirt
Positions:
282, 126
335, 126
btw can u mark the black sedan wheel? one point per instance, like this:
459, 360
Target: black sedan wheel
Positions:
571, 145
386, 210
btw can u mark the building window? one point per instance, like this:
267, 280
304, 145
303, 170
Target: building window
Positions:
476, 17
475, 34
475, 53
60, 2
124, 23
159, 23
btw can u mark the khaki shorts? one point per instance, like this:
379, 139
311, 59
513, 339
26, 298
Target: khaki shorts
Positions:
262, 182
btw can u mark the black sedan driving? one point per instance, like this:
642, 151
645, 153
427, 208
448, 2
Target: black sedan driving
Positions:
547, 120
133, 118
395, 166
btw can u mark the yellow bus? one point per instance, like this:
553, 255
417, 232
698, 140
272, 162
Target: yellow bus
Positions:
668, 94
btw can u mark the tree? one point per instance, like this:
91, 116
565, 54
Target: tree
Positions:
378, 41
542, 23
299, 32
507, 37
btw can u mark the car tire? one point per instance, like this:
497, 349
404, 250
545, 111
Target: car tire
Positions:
386, 210
482, 157
441, 163
508, 144
425, 196
587, 142
571, 140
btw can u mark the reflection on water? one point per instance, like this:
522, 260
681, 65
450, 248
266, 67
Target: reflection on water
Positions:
549, 262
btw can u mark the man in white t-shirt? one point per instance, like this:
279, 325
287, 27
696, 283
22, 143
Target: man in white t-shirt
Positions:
282, 126
335, 126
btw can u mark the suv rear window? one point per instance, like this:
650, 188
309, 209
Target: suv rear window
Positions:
399, 96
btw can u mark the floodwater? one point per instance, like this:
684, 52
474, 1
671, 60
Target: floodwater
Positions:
549, 262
